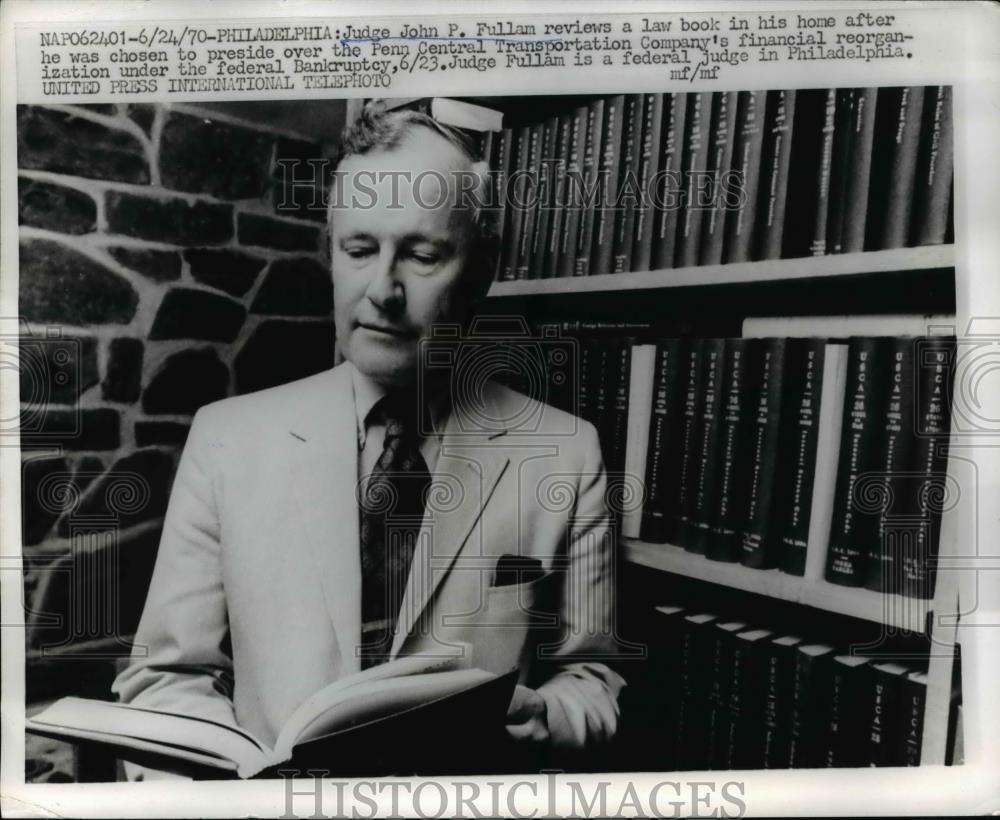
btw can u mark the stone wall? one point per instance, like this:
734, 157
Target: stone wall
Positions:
160, 269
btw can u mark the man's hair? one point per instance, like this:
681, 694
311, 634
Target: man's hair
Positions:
377, 129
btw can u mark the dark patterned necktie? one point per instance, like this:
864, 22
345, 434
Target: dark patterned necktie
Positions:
391, 502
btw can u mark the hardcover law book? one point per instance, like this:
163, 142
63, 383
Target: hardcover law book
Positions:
695, 666
913, 698
689, 444
749, 144
639, 446
500, 165
667, 199
855, 513
627, 196
697, 143
713, 358
808, 186
862, 135
538, 267
810, 706
570, 202
722, 736
733, 457
758, 545
824, 176
720, 158
666, 650
839, 169
609, 164
326, 726
935, 164
851, 690
529, 203
663, 459
884, 714
746, 698
897, 128
590, 162
621, 356
776, 154
897, 443
779, 675
555, 201
649, 165
516, 186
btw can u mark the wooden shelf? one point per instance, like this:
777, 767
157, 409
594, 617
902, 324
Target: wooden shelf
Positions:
809, 267
894, 610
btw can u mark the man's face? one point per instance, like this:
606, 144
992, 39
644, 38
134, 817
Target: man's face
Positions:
399, 252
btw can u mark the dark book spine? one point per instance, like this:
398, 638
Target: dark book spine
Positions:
850, 695
669, 185
735, 412
603, 385
722, 751
859, 170
884, 715
855, 519
713, 357
799, 437
743, 193
537, 267
695, 168
626, 197
696, 664
720, 159
573, 193
904, 108
759, 544
649, 165
526, 240
664, 428
805, 203
586, 390
500, 165
840, 163
690, 440
610, 159
935, 359
823, 176
895, 457
590, 193
746, 703
666, 687
913, 699
935, 164
810, 709
777, 152
779, 673
618, 423
554, 203
516, 185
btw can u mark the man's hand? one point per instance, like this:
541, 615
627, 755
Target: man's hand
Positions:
527, 716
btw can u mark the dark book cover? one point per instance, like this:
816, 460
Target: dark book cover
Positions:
851, 691
895, 485
588, 374
809, 185
913, 699
649, 166
720, 159
603, 385
759, 545
555, 201
664, 685
529, 202
884, 714
722, 737
747, 693
538, 267
609, 164
733, 459
779, 658
589, 189
898, 117
712, 380
689, 445
840, 163
855, 214
810, 706
855, 507
572, 195
697, 142
662, 474
516, 186
775, 154
626, 195
744, 193
500, 165
667, 202
695, 668
621, 366
797, 443
935, 164
935, 377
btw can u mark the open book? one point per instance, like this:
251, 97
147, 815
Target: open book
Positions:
431, 688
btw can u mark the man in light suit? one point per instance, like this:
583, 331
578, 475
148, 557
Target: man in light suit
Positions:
272, 575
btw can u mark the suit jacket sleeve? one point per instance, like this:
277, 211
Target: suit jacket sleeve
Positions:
180, 661
582, 696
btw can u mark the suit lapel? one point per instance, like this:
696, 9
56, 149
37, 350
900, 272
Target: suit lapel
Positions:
471, 463
323, 466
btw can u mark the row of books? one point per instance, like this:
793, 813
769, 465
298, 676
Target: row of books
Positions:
728, 695
764, 451
635, 182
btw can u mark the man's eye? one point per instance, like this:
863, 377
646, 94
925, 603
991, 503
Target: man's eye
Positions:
359, 252
424, 258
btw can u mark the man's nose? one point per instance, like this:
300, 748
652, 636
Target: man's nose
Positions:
385, 289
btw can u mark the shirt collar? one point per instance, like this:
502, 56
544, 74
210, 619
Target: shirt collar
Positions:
367, 392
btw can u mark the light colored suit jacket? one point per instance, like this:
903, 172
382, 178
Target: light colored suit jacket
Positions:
255, 600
